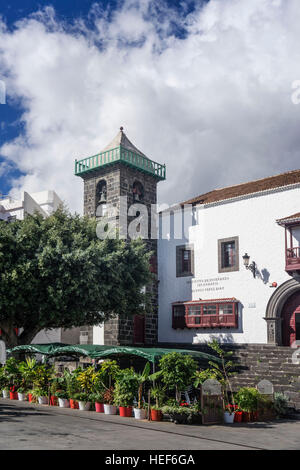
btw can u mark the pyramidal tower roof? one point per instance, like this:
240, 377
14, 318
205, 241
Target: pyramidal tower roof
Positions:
122, 139
120, 151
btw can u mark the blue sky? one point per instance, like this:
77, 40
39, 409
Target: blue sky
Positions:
67, 11
203, 86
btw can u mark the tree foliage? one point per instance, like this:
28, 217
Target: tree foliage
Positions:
56, 273
176, 371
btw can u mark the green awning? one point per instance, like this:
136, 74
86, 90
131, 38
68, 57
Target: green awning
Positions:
95, 351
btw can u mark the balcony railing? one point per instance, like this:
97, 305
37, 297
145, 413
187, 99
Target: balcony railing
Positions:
120, 154
293, 259
212, 321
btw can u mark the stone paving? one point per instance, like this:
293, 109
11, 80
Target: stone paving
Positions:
29, 426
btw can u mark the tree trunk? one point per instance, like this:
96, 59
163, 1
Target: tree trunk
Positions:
11, 339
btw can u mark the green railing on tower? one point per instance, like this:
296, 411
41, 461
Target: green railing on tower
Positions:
120, 154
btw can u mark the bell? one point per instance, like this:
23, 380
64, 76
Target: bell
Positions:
102, 197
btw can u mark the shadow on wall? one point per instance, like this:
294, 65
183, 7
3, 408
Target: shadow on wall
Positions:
264, 275
222, 338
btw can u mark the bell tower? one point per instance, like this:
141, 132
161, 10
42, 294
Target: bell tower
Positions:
119, 170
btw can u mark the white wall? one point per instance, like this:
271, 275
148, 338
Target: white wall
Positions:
253, 220
98, 334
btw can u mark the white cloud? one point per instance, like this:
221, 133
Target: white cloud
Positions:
215, 106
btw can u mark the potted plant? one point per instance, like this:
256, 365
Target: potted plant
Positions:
83, 400
85, 378
5, 392
108, 399
222, 371
229, 414
4, 383
43, 375
22, 394
140, 411
72, 386
11, 371
99, 388
98, 399
63, 400
176, 372
238, 415
247, 399
126, 385
55, 387
158, 393
181, 413
27, 371
40, 395
13, 394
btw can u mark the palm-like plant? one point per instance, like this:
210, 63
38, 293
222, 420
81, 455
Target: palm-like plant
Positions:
141, 379
223, 370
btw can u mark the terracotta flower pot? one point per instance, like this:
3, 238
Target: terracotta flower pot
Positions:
30, 397
74, 404
13, 395
246, 417
125, 411
238, 416
156, 415
99, 407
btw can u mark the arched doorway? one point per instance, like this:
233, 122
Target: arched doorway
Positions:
282, 314
291, 320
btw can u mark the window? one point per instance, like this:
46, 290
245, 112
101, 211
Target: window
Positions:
209, 309
137, 191
228, 254
178, 316
219, 313
184, 260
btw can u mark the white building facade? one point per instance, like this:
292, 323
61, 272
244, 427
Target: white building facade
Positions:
205, 289
44, 202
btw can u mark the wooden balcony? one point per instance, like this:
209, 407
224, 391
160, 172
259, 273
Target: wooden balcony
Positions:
292, 259
212, 321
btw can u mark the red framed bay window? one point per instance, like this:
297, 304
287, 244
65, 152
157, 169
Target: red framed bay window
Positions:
214, 313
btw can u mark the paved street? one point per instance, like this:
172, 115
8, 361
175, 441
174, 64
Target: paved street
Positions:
30, 426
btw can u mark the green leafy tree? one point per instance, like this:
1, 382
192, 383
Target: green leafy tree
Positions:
56, 273
176, 372
223, 370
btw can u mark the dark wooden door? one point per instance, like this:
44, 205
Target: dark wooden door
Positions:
138, 329
290, 320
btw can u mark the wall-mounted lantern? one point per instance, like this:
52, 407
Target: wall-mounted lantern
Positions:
252, 266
